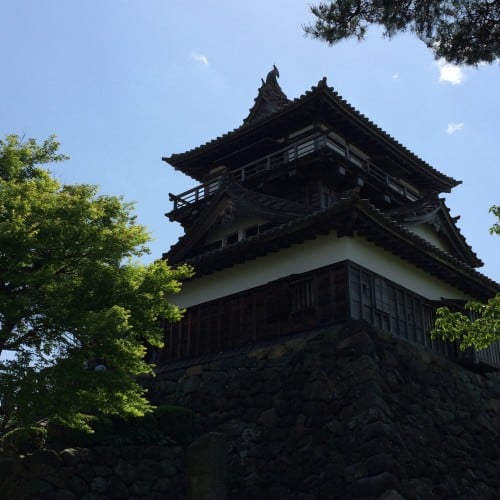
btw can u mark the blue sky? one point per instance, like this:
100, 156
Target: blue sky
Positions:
123, 83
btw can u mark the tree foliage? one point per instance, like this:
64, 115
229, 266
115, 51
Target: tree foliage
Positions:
72, 292
481, 326
460, 31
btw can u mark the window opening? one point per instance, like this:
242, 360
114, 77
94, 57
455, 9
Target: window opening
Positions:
232, 238
251, 231
301, 295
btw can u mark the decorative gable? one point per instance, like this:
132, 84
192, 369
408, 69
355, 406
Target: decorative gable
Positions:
431, 220
234, 214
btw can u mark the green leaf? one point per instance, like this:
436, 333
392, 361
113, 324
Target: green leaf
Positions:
71, 293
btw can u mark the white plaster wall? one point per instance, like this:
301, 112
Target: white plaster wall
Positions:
307, 256
379, 261
430, 234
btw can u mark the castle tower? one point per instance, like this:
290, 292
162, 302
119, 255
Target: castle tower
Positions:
309, 214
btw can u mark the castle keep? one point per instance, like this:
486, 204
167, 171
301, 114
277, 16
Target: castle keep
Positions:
309, 215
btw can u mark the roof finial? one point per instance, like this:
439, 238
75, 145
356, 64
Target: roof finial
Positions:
272, 76
322, 82
271, 97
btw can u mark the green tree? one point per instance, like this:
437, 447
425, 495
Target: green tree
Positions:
460, 31
72, 292
484, 328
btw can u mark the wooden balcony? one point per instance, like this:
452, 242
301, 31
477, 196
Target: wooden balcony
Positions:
292, 152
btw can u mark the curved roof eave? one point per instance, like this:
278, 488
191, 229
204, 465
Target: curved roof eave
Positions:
180, 161
434, 256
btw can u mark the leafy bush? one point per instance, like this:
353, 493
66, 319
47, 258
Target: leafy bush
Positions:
23, 440
62, 436
134, 431
176, 422
167, 424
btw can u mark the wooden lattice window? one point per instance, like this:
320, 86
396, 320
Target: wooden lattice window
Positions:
301, 295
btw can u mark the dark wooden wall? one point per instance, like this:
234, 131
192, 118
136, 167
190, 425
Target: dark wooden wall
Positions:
299, 303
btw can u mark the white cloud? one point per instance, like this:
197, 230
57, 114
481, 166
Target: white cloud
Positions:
454, 127
199, 58
395, 76
450, 73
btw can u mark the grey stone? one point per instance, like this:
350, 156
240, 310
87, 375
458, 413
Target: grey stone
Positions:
77, 485
93, 496
104, 455
125, 471
170, 470
268, 418
317, 390
391, 495
355, 471
375, 485
154, 452
116, 489
376, 429
10, 466
99, 484
371, 400
131, 454
85, 471
278, 492
70, 456
65, 495
360, 342
42, 462
314, 408
368, 416
86, 455
276, 352
140, 488
154, 495
55, 478
191, 384
194, 370
361, 376
383, 462
420, 488
103, 470
36, 487
148, 470
162, 484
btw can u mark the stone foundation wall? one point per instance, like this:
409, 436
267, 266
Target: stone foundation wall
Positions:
346, 413
133, 472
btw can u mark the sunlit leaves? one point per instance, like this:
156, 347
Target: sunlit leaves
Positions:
478, 333
481, 326
71, 292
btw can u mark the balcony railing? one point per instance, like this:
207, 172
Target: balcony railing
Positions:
290, 153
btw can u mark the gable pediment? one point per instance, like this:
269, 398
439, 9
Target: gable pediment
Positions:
431, 220
234, 211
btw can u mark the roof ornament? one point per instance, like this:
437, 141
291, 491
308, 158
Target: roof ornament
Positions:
323, 83
270, 98
272, 77
271, 88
